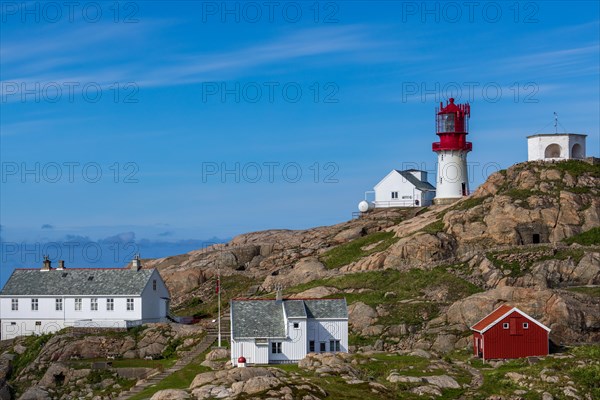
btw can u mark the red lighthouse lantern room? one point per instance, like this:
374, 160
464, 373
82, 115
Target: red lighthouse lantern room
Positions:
452, 126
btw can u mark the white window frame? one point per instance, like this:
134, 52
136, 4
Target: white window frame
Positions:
394, 195
110, 304
130, 304
58, 304
35, 305
93, 304
78, 304
334, 345
14, 304
505, 325
525, 325
296, 325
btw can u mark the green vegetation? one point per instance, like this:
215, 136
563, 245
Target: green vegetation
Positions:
33, 346
232, 285
468, 203
371, 288
434, 227
523, 194
518, 268
177, 380
587, 238
590, 291
577, 168
357, 249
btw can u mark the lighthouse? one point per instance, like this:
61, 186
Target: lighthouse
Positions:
452, 123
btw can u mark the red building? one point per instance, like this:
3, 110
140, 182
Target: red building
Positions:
508, 332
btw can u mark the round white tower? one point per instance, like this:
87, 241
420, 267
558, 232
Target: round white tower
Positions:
452, 128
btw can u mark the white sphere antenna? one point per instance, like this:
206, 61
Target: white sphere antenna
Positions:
365, 206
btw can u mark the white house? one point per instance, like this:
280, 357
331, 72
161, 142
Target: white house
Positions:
285, 330
404, 189
36, 301
556, 146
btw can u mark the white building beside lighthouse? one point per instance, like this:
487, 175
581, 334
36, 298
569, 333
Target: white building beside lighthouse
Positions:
452, 180
556, 146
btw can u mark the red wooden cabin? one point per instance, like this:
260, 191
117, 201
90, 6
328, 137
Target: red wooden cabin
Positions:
508, 332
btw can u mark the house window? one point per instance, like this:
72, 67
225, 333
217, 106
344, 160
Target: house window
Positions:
38, 323
110, 304
296, 325
13, 323
505, 325
94, 304
406, 197
130, 305
154, 284
34, 304
525, 325
394, 195
334, 345
58, 304
77, 304
311, 346
322, 346
276, 347
14, 304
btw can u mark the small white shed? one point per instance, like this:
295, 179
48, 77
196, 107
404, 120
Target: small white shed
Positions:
408, 188
556, 146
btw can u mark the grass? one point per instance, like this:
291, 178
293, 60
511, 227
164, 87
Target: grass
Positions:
577, 168
434, 227
518, 268
177, 380
355, 250
232, 286
590, 291
468, 203
587, 238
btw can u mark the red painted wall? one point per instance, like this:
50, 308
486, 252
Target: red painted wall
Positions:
516, 341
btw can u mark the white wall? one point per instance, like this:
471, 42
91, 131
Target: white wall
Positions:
25, 318
324, 330
537, 144
451, 174
153, 301
407, 193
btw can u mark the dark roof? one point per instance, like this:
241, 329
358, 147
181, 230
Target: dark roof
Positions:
77, 282
419, 184
265, 319
294, 309
335, 308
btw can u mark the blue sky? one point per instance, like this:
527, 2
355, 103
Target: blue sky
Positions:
126, 117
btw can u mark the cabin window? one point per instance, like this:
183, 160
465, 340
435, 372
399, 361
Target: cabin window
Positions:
296, 325
94, 304
14, 304
334, 345
394, 195
276, 347
34, 304
505, 325
58, 305
311, 346
154, 284
525, 325
322, 346
110, 304
130, 305
78, 304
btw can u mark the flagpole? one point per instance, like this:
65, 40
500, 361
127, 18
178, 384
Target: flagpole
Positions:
219, 301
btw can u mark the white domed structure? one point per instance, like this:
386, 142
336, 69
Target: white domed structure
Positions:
365, 206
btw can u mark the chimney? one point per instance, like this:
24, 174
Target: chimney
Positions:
278, 294
47, 264
137, 263
61, 265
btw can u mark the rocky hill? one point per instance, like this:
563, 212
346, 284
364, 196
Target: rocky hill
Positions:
415, 280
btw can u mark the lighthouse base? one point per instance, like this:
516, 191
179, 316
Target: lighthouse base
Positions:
446, 201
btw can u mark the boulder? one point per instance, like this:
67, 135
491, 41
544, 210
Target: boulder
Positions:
170, 394
217, 354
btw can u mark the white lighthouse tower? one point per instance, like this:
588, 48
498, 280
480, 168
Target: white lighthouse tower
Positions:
452, 123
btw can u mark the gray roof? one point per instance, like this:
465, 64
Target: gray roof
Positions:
257, 319
294, 309
265, 319
419, 184
77, 282
320, 309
